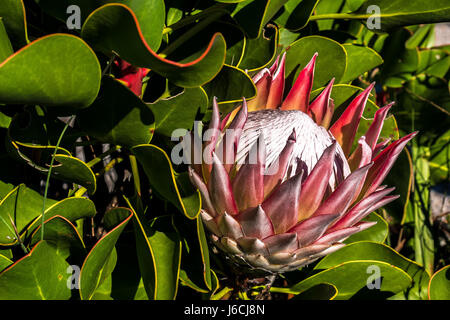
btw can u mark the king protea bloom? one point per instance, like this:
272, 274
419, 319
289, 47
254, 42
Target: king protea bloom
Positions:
280, 184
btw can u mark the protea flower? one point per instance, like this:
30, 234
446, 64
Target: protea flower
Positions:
280, 184
131, 76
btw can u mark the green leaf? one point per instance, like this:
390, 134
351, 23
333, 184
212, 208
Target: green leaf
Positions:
114, 28
331, 61
322, 291
159, 255
179, 111
252, 16
434, 62
69, 76
366, 250
439, 287
103, 292
354, 5
4, 262
295, 14
230, 85
5, 45
72, 209
421, 213
359, 60
151, 16
127, 283
259, 52
65, 167
101, 260
40, 275
126, 119
419, 36
351, 279
328, 6
376, 233
169, 184
21, 206
195, 263
76, 171
63, 235
58, 9
439, 158
404, 12
188, 44
14, 17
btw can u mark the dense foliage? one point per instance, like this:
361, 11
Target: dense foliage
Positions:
91, 92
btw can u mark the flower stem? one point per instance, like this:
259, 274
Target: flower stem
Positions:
50, 172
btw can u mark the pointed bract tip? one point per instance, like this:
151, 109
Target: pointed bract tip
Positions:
312, 62
292, 136
244, 104
280, 68
274, 66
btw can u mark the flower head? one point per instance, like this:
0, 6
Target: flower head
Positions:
280, 184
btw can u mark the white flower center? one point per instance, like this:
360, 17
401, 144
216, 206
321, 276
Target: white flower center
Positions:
277, 126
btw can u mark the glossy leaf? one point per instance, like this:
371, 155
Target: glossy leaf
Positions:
329, 53
76, 171
359, 60
66, 167
63, 235
97, 266
295, 14
403, 12
230, 85
252, 16
114, 27
322, 291
177, 188
19, 208
126, 119
13, 15
40, 275
72, 209
420, 211
439, 287
350, 279
126, 279
178, 111
150, 14
4, 262
195, 262
259, 52
325, 7
159, 255
440, 153
367, 250
69, 76
5, 45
